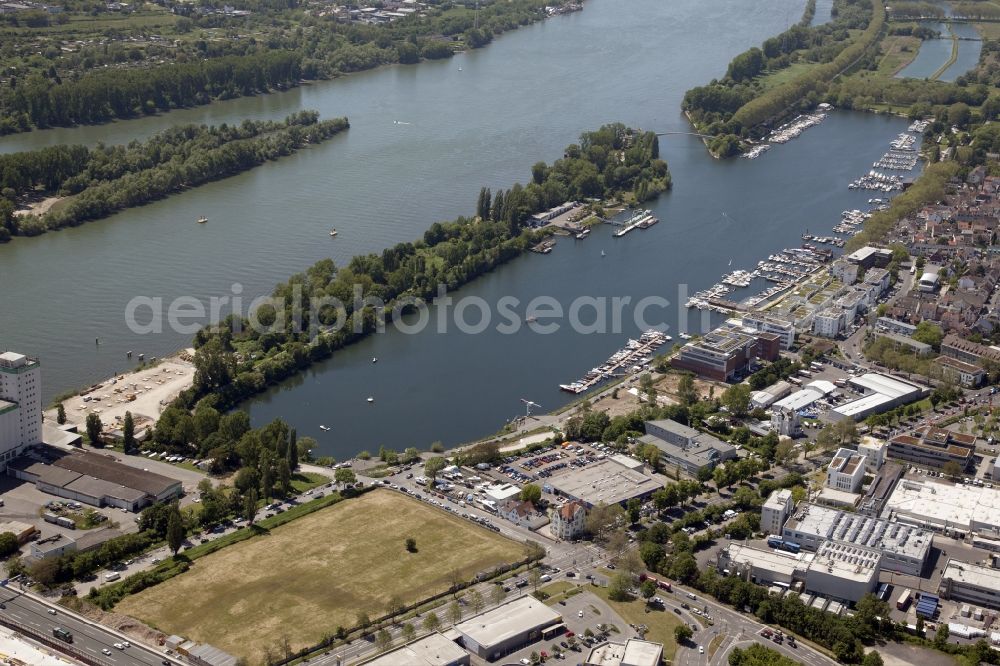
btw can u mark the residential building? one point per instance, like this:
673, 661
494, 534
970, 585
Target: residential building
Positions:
845, 271
846, 471
829, 323
930, 281
895, 326
726, 353
934, 447
972, 583
686, 447
521, 513
869, 256
970, 352
567, 522
784, 421
919, 348
762, 323
960, 372
20, 405
776, 511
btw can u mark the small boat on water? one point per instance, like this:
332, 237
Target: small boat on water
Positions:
333, 232
371, 399
202, 220
374, 359
603, 254
324, 428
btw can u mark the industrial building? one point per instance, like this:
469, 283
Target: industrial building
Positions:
603, 482
633, 652
846, 471
509, 627
880, 394
686, 447
776, 511
92, 478
972, 583
934, 447
431, 650
20, 405
843, 571
945, 507
726, 353
21, 531
807, 396
904, 548
764, 567
768, 396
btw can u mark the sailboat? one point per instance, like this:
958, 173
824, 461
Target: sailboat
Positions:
374, 359
603, 254
730, 262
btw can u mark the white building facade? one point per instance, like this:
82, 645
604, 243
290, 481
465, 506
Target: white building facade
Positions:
20, 405
776, 511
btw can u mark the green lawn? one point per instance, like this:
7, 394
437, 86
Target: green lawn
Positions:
305, 578
661, 623
785, 75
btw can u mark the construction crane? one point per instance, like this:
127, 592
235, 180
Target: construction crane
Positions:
528, 405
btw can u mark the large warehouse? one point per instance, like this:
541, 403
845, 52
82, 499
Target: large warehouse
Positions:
904, 548
945, 507
604, 482
508, 628
431, 650
92, 478
880, 394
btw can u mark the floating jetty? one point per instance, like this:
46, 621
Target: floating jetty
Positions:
635, 353
642, 219
791, 130
544, 247
876, 180
756, 151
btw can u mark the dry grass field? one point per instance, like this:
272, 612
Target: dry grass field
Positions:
308, 577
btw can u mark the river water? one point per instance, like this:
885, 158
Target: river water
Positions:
423, 140
934, 53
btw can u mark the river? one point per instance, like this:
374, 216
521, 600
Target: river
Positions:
423, 140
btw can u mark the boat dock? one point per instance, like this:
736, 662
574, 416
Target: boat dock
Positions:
544, 247
641, 219
635, 354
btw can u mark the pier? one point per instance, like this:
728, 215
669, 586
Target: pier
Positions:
635, 354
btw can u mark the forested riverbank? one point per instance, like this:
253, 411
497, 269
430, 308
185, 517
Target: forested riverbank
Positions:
99, 80
96, 182
787, 72
237, 360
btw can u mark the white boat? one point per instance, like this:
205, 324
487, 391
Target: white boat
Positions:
371, 399
202, 220
323, 427
374, 359
333, 232
684, 336
603, 254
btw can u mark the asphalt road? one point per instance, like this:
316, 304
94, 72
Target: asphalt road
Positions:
89, 639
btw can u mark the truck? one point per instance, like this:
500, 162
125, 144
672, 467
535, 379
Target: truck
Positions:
62, 634
61, 521
775, 541
903, 602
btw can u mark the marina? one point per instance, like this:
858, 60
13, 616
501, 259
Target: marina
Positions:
641, 219
632, 357
876, 180
794, 128
756, 151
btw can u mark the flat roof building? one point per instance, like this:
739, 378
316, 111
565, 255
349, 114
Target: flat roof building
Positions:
945, 507
972, 583
431, 650
846, 471
507, 628
934, 447
726, 353
633, 652
904, 548
882, 393
776, 510
869, 256
687, 447
93, 478
763, 567
604, 482
21, 408
784, 329
843, 571
968, 375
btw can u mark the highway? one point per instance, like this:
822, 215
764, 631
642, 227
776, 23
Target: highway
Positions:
35, 618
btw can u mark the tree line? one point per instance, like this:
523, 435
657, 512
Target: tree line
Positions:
102, 180
234, 360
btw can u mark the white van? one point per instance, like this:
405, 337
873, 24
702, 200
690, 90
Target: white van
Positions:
111, 577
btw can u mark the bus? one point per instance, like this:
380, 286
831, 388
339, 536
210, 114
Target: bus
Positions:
62, 634
903, 602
